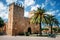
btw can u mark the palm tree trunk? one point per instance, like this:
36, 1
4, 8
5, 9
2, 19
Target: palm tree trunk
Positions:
57, 29
40, 26
40, 30
51, 28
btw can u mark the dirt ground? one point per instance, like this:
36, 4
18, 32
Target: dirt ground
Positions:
27, 38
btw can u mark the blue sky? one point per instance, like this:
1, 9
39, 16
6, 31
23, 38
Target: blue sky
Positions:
52, 7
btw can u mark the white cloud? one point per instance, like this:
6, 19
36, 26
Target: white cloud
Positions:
16, 1
2, 6
3, 11
57, 10
29, 2
46, 0
52, 12
4, 15
52, 3
26, 14
43, 5
49, 2
10, 1
34, 7
20, 2
59, 14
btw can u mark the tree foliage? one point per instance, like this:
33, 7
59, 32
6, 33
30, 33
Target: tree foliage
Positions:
40, 17
1, 22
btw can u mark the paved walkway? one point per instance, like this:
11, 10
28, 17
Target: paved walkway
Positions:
27, 38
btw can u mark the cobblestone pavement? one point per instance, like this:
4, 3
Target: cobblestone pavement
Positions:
27, 38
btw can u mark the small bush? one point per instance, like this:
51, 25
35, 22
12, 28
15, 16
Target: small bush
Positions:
27, 33
52, 35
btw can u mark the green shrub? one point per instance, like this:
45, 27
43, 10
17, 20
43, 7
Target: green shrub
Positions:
26, 33
45, 29
55, 29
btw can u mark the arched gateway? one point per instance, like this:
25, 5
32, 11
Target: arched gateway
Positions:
17, 22
29, 30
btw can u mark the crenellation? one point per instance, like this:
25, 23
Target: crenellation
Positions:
17, 23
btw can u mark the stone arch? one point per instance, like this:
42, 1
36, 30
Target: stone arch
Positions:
29, 30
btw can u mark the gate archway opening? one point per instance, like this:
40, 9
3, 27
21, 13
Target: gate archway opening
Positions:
29, 30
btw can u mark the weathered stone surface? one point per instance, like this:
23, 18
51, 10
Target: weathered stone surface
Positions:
17, 23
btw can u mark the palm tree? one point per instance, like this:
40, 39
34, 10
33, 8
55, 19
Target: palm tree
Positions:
52, 21
39, 18
57, 24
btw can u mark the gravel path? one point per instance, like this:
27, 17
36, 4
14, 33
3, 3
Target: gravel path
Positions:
27, 38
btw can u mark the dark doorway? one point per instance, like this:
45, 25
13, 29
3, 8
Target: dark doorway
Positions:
29, 30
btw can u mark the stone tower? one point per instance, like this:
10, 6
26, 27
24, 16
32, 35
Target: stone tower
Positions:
16, 11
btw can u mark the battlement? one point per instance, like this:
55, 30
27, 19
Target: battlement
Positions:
16, 14
16, 4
